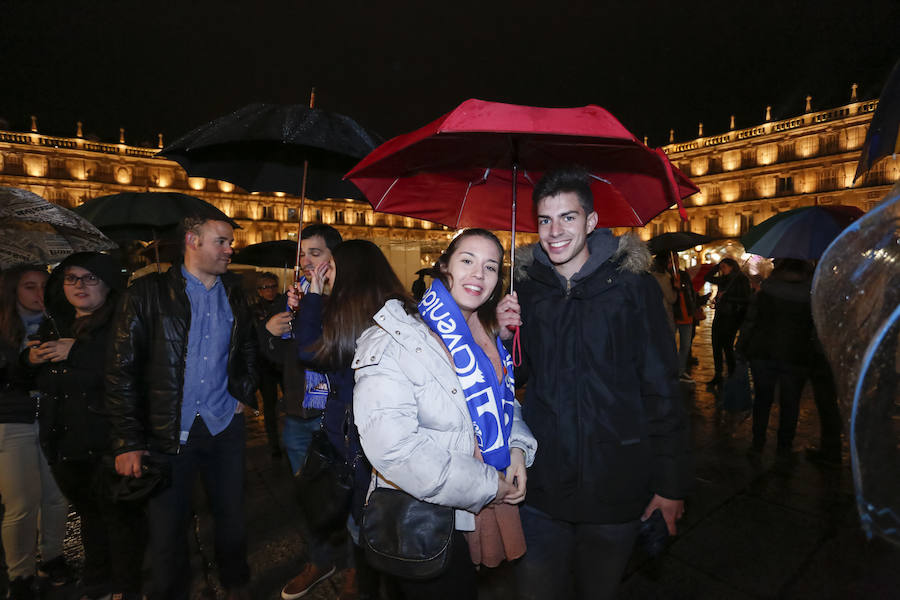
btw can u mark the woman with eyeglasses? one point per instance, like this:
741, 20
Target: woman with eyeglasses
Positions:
81, 298
35, 512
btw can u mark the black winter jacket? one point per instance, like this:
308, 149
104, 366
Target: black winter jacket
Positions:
779, 323
146, 360
733, 294
602, 395
73, 426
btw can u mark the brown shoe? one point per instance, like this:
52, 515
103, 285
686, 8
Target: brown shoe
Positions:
301, 585
349, 590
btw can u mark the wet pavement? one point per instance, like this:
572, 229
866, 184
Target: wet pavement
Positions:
753, 528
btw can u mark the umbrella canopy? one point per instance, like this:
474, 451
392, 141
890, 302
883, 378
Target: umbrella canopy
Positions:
458, 170
34, 231
262, 148
883, 136
802, 233
146, 215
280, 253
676, 241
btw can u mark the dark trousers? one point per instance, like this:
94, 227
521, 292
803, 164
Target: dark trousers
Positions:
572, 560
113, 534
825, 396
458, 582
269, 380
219, 460
723, 332
789, 379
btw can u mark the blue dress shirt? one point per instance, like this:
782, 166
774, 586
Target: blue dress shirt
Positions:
206, 365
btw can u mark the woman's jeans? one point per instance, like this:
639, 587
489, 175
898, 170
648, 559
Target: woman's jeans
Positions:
296, 436
34, 504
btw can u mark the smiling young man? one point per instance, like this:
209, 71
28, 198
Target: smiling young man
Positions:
601, 398
182, 366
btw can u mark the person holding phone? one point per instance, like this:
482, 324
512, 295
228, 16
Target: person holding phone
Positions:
82, 294
36, 511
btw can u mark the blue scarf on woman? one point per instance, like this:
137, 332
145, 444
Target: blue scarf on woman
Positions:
491, 404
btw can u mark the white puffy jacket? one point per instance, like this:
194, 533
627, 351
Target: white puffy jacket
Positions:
413, 421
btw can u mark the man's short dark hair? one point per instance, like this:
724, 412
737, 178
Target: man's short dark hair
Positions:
569, 179
326, 232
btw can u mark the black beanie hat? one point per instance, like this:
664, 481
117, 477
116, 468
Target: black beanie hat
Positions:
103, 266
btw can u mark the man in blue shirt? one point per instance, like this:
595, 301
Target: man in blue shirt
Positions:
181, 370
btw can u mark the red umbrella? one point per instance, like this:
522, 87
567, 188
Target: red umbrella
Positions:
458, 170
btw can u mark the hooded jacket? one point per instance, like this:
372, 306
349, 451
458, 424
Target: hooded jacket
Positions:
602, 396
146, 360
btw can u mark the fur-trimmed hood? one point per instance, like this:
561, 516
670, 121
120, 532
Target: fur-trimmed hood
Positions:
627, 250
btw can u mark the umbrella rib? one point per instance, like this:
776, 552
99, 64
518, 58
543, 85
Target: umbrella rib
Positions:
466, 195
386, 192
609, 183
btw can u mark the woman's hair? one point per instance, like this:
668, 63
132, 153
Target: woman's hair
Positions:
11, 328
487, 312
364, 281
661, 262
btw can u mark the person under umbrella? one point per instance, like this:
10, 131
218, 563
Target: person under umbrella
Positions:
437, 445
731, 300
35, 510
82, 295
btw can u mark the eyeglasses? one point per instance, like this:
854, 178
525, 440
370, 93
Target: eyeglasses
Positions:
271, 286
89, 279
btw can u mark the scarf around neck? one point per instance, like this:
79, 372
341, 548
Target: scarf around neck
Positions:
491, 403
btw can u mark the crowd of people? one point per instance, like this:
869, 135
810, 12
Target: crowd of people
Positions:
119, 399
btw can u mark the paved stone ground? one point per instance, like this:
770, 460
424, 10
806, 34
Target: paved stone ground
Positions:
753, 529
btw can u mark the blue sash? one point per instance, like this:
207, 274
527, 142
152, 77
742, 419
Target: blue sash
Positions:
490, 403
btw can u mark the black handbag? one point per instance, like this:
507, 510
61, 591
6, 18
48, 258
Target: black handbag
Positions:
405, 537
324, 486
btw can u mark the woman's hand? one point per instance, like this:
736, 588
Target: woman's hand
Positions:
516, 473
279, 324
508, 315
34, 353
55, 351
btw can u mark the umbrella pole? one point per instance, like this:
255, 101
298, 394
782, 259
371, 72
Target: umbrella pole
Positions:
156, 250
512, 239
312, 104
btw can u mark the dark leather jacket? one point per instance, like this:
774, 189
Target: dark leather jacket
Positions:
146, 360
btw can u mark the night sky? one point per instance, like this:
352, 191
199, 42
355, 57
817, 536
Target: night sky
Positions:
169, 66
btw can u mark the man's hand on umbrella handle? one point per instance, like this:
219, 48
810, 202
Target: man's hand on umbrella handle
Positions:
293, 297
509, 315
129, 463
280, 323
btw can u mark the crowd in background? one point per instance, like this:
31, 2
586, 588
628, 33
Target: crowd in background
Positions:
117, 399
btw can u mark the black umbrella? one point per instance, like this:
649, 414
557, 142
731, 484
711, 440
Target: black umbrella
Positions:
146, 215
263, 148
281, 253
676, 241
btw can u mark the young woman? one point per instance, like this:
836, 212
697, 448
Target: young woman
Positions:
436, 412
81, 298
325, 330
32, 499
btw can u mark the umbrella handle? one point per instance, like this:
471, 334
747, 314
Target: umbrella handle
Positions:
517, 348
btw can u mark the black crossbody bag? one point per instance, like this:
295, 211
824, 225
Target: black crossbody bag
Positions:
406, 537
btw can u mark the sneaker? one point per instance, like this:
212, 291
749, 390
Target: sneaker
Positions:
55, 571
349, 589
685, 378
22, 588
301, 585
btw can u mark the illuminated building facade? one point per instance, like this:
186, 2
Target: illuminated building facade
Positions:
69, 171
747, 175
